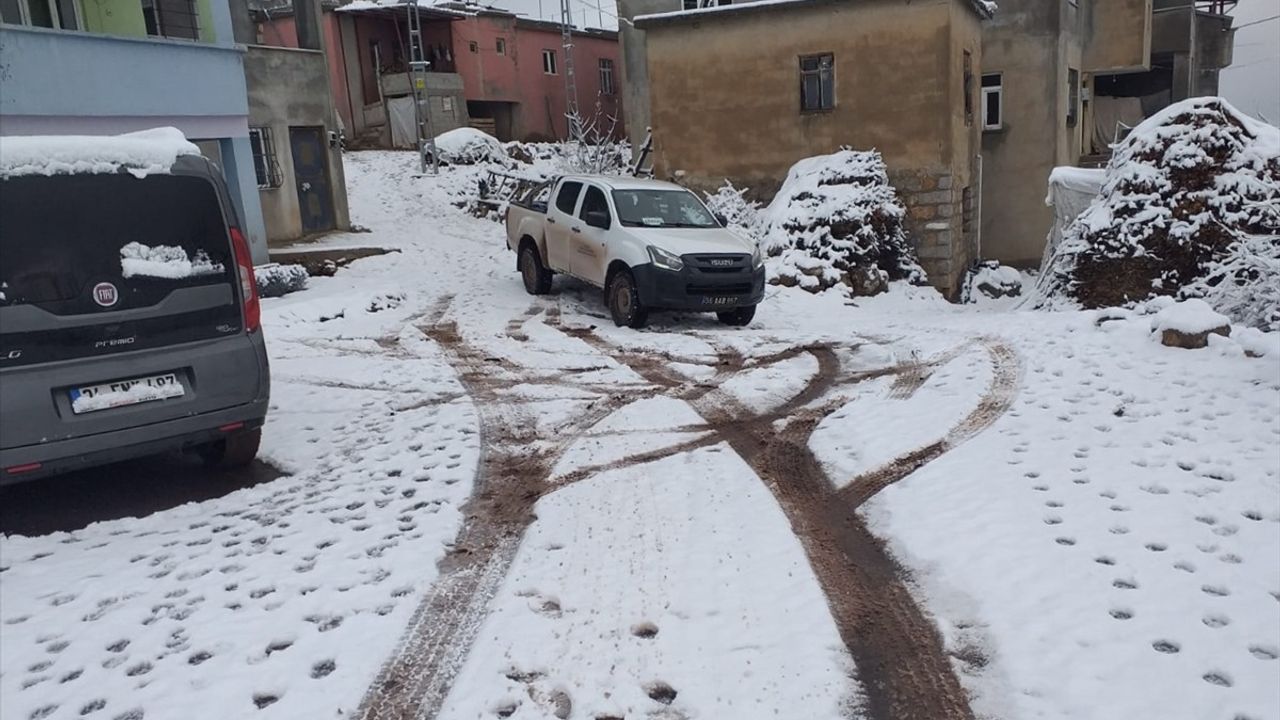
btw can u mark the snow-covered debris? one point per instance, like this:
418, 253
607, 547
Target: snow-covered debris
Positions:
838, 221
993, 280
164, 261
1188, 324
1190, 207
468, 146
275, 279
141, 153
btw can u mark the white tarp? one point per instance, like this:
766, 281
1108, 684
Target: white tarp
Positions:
400, 115
1071, 190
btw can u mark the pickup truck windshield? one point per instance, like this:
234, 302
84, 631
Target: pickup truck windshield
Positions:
662, 208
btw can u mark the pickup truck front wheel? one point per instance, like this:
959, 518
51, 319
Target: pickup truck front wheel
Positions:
738, 317
536, 276
624, 301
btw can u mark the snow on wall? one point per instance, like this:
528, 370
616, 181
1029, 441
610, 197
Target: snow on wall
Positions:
141, 153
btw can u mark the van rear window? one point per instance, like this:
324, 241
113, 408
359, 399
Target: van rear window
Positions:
64, 235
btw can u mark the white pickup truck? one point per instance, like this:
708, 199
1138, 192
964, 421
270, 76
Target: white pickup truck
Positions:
647, 244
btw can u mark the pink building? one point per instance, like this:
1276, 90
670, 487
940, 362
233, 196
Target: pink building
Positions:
490, 69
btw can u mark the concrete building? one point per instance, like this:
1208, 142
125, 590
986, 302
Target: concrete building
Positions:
293, 128
491, 69
104, 67
1063, 79
744, 91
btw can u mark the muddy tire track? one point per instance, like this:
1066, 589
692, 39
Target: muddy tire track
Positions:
1000, 393
902, 665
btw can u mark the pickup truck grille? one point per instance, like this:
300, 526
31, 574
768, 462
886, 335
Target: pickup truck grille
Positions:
719, 263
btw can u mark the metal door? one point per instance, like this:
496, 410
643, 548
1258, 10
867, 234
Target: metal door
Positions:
311, 176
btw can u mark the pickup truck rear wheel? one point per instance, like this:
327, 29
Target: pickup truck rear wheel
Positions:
624, 301
738, 317
536, 276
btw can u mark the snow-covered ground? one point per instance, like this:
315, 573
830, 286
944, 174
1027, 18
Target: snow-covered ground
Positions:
1090, 519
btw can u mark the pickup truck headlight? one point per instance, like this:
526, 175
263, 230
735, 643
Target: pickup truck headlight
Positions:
757, 258
665, 260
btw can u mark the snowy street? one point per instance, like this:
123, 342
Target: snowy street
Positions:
475, 503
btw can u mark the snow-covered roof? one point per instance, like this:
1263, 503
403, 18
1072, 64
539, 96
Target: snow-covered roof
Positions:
141, 153
984, 8
459, 10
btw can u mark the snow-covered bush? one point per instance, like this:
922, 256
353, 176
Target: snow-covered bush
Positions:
731, 204
1190, 208
275, 280
468, 146
838, 221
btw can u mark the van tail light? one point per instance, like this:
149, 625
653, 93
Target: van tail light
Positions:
248, 284
19, 469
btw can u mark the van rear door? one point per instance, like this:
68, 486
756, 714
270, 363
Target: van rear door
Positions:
105, 279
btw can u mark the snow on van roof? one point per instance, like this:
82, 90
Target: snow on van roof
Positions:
141, 153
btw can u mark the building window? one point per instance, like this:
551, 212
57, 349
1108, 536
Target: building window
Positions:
967, 88
606, 77
549, 62
817, 82
473, 46
1073, 97
171, 19
58, 14
265, 166
992, 101
501, 46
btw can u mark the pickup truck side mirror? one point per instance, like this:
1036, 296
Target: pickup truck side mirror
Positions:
724, 221
598, 219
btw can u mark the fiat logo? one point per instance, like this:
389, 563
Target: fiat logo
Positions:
105, 294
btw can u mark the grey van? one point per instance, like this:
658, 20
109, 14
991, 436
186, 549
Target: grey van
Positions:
129, 321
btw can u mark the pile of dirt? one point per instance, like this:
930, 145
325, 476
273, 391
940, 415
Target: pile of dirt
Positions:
1190, 207
838, 222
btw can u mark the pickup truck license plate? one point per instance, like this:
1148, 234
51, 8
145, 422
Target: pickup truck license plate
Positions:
719, 300
91, 398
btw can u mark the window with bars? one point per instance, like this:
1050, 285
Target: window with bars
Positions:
171, 19
606, 77
817, 82
265, 165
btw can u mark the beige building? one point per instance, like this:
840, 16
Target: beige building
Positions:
1063, 79
744, 91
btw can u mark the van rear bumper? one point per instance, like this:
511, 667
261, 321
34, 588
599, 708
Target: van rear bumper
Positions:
64, 455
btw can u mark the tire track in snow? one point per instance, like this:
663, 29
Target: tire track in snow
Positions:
902, 666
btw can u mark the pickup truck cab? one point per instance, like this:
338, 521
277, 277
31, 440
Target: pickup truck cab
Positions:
649, 245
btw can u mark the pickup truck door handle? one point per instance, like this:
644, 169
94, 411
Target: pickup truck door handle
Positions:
577, 229
551, 221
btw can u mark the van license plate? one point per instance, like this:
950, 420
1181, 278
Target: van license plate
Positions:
91, 398
719, 300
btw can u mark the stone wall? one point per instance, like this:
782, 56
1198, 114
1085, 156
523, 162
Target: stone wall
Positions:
943, 231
